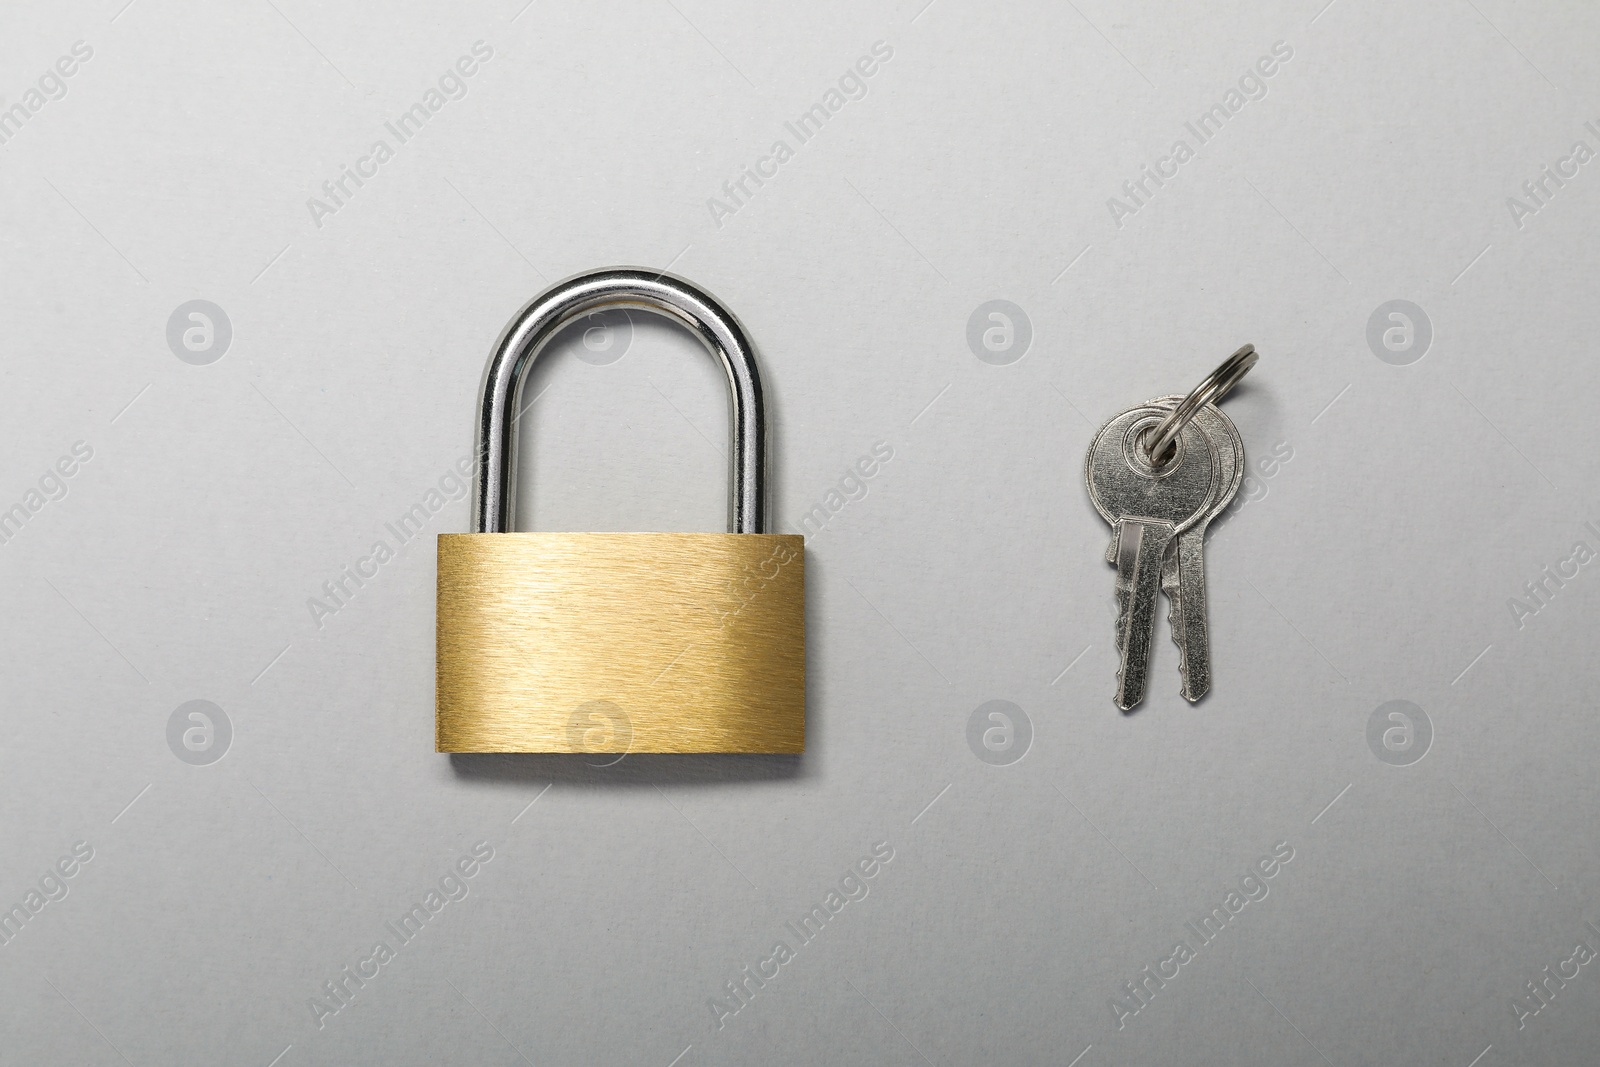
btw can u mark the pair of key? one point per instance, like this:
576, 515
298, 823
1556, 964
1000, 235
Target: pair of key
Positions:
1159, 473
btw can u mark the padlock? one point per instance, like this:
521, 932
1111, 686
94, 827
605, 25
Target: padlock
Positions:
620, 642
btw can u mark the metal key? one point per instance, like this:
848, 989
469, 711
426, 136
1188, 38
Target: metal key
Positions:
1186, 601
1183, 573
1148, 508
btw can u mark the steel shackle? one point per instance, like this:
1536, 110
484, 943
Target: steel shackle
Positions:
527, 336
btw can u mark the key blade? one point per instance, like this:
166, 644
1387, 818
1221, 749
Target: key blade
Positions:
1190, 628
1175, 615
1141, 546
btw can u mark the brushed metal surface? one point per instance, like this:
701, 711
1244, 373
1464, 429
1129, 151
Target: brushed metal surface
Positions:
621, 642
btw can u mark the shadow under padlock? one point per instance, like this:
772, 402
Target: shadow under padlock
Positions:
620, 642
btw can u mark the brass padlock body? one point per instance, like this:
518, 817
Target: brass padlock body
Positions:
621, 642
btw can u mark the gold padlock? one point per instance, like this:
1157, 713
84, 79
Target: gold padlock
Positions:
620, 642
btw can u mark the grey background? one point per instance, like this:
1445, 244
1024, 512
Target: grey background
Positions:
1377, 564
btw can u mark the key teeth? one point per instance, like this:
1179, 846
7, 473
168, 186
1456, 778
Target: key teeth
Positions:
1117, 632
1124, 600
1174, 627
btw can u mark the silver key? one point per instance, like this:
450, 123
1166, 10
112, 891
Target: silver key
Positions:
1148, 509
1183, 573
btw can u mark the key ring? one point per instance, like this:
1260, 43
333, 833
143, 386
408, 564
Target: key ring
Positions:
1216, 385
